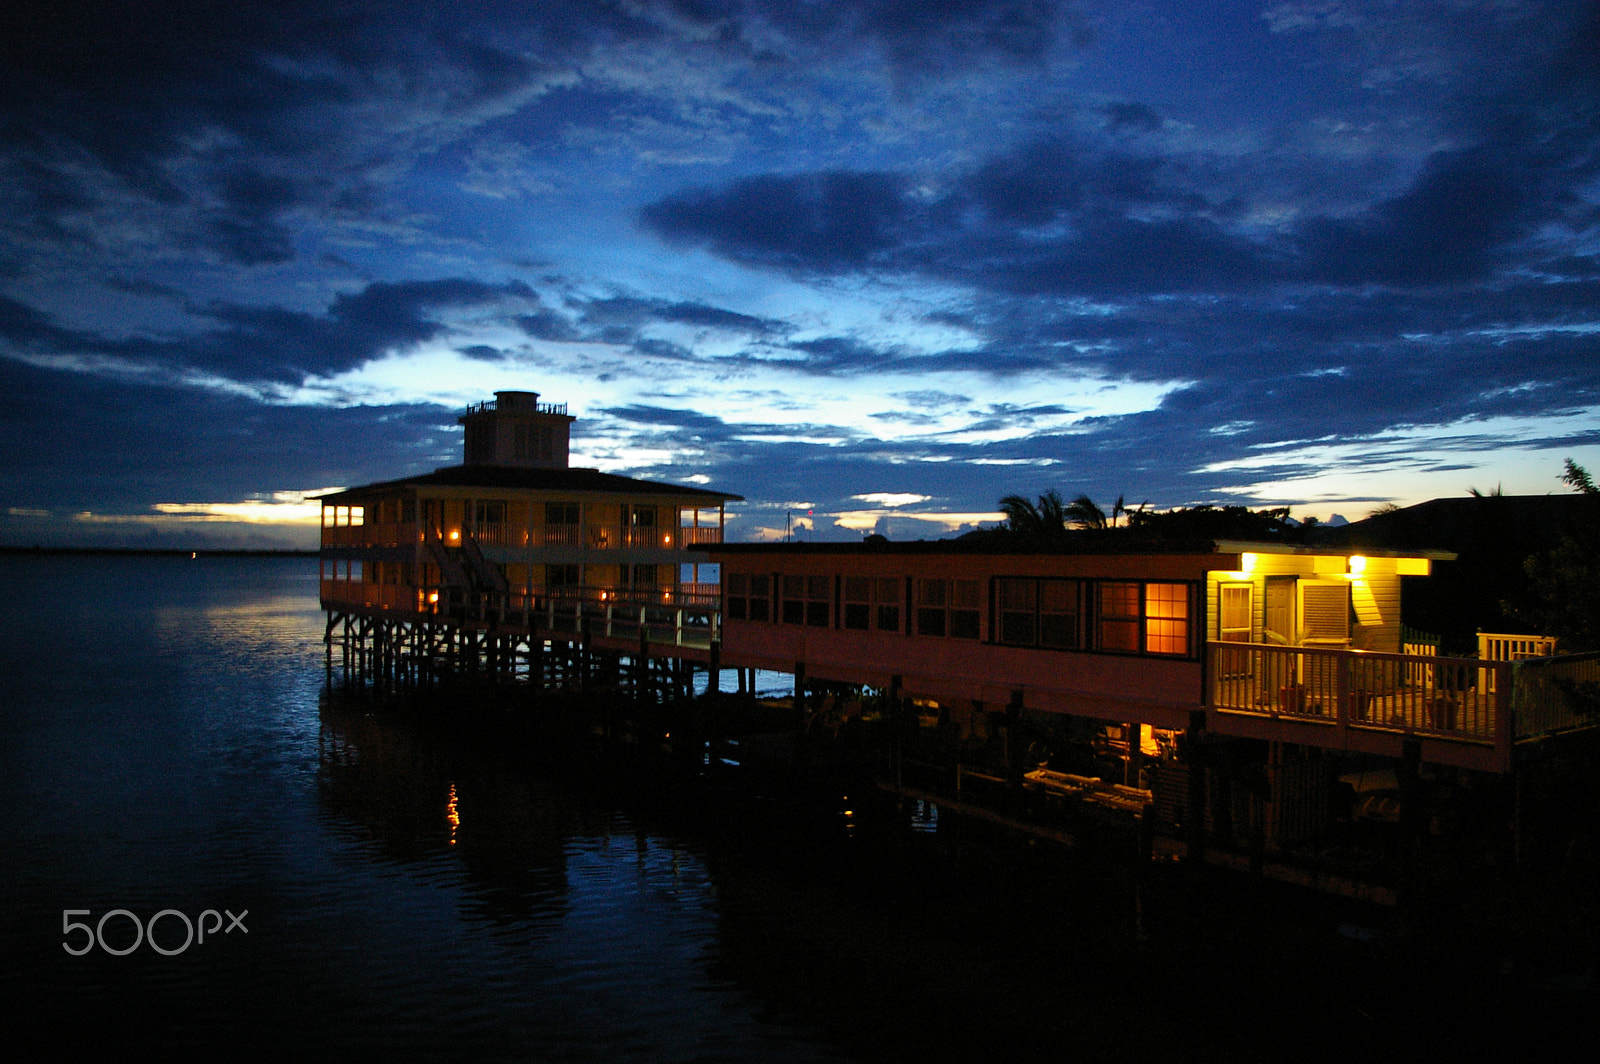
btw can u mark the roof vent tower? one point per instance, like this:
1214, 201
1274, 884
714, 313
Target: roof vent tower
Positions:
515, 429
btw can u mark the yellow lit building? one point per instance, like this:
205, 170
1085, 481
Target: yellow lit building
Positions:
515, 526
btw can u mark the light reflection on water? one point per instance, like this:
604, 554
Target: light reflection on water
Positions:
167, 742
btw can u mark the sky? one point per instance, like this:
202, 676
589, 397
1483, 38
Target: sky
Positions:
870, 265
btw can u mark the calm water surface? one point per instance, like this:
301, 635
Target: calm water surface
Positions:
426, 888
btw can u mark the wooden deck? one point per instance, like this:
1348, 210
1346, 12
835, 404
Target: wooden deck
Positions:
1466, 711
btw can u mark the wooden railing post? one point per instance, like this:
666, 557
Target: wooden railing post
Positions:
1343, 688
1504, 707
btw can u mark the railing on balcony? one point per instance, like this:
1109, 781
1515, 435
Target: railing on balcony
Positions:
667, 615
508, 534
564, 536
687, 615
1453, 698
693, 537
1554, 694
500, 534
358, 593
373, 535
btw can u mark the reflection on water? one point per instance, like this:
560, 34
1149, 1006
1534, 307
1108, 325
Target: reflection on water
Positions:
167, 743
416, 884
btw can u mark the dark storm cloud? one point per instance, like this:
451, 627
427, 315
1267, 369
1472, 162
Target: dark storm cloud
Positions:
270, 343
1122, 225
130, 87
1079, 215
921, 34
1129, 116
823, 222
685, 421
76, 442
638, 312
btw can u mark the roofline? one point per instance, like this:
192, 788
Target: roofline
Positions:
1094, 546
1244, 546
421, 481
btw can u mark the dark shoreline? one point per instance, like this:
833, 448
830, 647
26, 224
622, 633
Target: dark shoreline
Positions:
162, 552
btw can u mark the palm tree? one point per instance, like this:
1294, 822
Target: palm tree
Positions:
1085, 514
1578, 477
1045, 520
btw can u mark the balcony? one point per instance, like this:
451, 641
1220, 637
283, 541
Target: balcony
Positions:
1472, 711
695, 537
373, 535
358, 594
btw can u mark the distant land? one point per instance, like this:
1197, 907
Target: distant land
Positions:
153, 552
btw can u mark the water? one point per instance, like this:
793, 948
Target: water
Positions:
435, 889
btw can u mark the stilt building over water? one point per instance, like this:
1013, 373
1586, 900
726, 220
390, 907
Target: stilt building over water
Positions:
1137, 655
463, 564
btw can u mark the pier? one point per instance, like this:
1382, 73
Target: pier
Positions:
1215, 692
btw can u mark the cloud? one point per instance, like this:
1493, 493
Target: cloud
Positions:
827, 221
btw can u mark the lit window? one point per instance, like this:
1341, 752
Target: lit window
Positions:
1166, 628
1235, 613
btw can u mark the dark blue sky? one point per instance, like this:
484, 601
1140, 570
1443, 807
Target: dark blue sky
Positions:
887, 261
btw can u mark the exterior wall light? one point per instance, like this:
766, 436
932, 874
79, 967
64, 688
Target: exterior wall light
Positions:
1358, 565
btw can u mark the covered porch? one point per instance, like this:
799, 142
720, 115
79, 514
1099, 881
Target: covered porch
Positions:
1466, 712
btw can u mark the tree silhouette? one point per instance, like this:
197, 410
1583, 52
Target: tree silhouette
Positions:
1578, 477
1565, 581
1083, 513
1044, 522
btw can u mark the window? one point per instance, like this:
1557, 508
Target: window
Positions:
794, 600
817, 600
886, 593
1058, 614
858, 602
760, 597
644, 578
806, 600
965, 597
1166, 618
1325, 611
930, 607
947, 607
1039, 611
1118, 616
1018, 601
561, 523
560, 578
1235, 612
639, 526
1150, 618
747, 595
